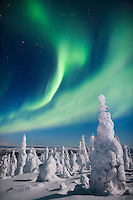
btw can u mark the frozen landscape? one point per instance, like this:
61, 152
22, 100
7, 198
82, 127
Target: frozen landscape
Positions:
104, 170
58, 58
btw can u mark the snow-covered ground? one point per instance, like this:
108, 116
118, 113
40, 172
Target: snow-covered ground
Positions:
25, 187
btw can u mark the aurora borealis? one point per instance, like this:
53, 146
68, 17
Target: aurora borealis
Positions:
56, 58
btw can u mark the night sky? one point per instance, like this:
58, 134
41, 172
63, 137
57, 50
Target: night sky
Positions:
56, 58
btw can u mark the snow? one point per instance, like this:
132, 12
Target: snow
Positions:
25, 187
84, 180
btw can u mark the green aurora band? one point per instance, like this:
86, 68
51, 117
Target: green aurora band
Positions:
72, 51
79, 104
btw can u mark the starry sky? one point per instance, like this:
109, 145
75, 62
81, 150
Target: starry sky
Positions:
56, 58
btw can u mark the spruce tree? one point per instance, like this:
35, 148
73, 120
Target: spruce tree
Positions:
4, 167
108, 173
13, 165
22, 156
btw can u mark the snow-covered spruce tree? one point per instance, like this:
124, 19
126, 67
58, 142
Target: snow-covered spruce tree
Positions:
4, 167
126, 157
82, 156
8, 164
108, 173
51, 152
22, 156
80, 159
62, 157
83, 149
67, 161
65, 173
73, 163
45, 155
32, 161
47, 170
81, 162
59, 167
36, 156
56, 153
130, 157
13, 165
